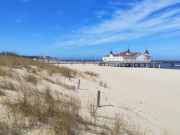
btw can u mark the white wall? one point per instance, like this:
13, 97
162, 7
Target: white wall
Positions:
142, 57
139, 57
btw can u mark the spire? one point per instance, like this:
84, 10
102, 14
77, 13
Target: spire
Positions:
146, 52
111, 52
128, 51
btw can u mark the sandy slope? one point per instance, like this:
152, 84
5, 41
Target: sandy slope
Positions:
148, 97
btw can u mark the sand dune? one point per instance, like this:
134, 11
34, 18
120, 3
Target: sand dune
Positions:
148, 98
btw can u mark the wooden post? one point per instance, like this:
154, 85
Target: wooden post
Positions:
98, 99
69, 76
78, 83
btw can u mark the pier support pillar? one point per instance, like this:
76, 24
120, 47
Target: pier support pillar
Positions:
139, 65
172, 64
150, 65
159, 65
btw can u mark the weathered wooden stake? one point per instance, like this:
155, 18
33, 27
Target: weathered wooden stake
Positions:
78, 83
98, 99
69, 76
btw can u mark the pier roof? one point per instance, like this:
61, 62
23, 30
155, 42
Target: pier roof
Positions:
125, 54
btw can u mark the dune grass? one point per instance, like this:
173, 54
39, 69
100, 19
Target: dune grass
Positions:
31, 79
103, 84
6, 129
92, 74
6, 72
2, 93
8, 85
60, 114
24, 62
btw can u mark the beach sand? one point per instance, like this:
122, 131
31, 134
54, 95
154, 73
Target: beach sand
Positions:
149, 99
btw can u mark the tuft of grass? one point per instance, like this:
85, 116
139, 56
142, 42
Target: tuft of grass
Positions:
92, 108
4, 72
118, 126
92, 74
8, 85
103, 84
2, 93
70, 87
6, 129
31, 79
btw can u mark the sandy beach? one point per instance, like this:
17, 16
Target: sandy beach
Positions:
147, 98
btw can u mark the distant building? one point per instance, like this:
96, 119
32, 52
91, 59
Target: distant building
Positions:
127, 56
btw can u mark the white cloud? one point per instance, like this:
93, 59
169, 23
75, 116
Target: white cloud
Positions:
144, 18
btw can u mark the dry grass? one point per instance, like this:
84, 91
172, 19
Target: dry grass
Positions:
103, 84
6, 129
24, 62
60, 114
8, 85
118, 126
4, 72
31, 79
2, 93
92, 74
69, 87
92, 107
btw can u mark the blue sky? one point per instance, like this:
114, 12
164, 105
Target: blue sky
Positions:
72, 28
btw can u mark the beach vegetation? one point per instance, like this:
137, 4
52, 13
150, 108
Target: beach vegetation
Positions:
45, 108
19, 62
31, 79
92, 74
8, 85
2, 93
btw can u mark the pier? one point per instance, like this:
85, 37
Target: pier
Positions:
147, 64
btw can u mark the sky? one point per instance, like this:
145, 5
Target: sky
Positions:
72, 29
